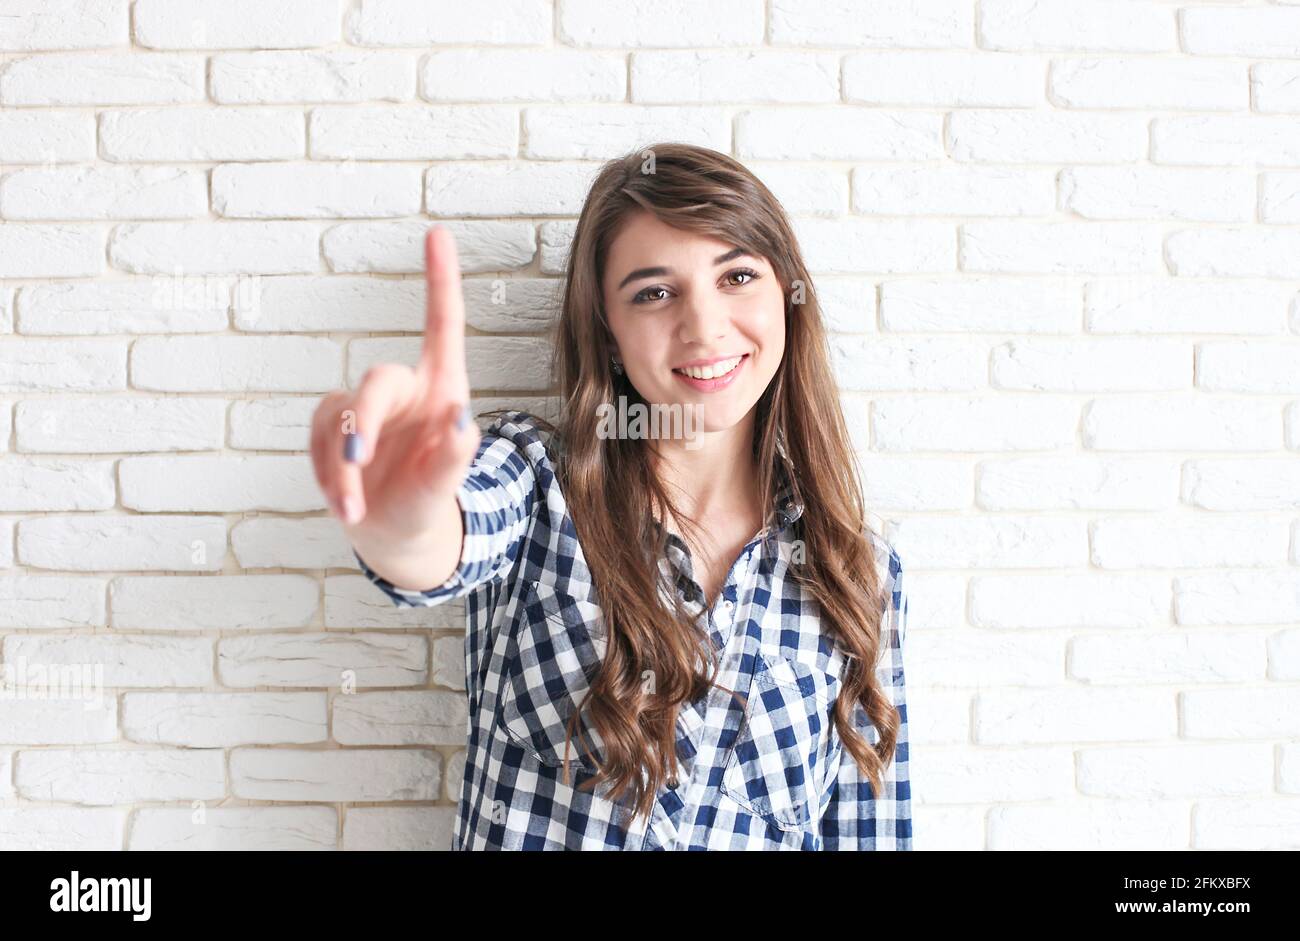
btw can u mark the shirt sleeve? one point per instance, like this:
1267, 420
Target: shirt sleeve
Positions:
496, 501
855, 818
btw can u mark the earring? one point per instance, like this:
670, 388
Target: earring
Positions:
616, 366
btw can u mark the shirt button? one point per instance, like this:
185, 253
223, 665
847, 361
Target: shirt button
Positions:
728, 604
672, 784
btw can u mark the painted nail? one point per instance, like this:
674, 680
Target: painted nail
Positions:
463, 418
352, 446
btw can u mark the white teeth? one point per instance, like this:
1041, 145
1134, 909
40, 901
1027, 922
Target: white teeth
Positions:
712, 371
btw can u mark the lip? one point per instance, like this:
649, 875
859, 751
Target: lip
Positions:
718, 382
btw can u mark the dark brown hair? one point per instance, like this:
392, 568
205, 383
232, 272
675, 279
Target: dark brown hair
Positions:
612, 491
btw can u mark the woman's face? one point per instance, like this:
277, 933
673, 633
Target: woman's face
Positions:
675, 300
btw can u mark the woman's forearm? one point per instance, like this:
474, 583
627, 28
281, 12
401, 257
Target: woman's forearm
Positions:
421, 562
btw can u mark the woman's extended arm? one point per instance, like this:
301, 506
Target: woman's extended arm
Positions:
420, 564
491, 509
392, 456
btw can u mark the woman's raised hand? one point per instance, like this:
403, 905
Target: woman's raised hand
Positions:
390, 455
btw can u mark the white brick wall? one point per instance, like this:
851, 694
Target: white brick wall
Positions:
1059, 247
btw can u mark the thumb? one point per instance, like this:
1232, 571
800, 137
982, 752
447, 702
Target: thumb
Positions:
457, 438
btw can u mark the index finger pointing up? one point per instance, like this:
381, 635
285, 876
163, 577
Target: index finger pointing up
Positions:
443, 355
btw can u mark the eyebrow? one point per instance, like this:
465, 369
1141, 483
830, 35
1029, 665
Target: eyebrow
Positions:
660, 270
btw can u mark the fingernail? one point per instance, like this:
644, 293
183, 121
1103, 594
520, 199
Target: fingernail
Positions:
463, 418
352, 446
350, 509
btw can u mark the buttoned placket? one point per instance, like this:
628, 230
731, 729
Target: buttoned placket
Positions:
722, 625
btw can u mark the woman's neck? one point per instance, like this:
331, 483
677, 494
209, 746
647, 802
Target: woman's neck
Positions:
716, 477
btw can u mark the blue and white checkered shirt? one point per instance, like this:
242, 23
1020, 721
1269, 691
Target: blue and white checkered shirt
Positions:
766, 772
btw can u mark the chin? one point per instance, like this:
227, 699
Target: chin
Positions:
721, 416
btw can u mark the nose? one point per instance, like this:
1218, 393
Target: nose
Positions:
703, 321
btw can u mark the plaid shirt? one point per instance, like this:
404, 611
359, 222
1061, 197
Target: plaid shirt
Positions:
764, 771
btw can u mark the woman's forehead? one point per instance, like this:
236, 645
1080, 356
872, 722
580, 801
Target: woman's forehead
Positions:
648, 241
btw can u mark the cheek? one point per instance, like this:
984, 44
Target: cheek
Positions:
644, 335
628, 332
767, 325
643, 342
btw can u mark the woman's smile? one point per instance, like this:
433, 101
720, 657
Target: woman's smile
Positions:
714, 376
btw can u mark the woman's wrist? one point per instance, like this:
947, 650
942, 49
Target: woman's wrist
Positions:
417, 562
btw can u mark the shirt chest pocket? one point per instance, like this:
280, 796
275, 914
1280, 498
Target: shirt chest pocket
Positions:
555, 646
787, 752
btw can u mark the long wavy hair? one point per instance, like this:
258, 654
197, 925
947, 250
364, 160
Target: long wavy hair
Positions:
613, 492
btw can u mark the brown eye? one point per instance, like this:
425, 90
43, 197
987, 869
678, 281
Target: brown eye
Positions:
748, 273
641, 298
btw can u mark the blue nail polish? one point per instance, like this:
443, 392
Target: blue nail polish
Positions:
463, 419
352, 446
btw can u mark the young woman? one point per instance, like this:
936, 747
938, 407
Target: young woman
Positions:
685, 639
